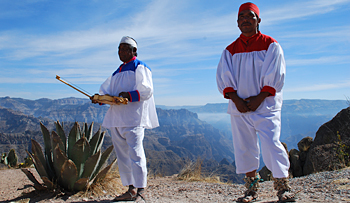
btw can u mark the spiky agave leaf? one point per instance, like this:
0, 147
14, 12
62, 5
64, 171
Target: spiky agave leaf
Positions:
94, 142
48, 183
58, 160
38, 159
102, 174
81, 153
73, 137
90, 165
91, 130
69, 175
36, 150
41, 171
48, 150
81, 184
88, 131
47, 140
62, 135
104, 157
82, 132
100, 141
32, 178
56, 139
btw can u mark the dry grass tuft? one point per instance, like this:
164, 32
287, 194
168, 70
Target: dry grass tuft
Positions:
193, 172
110, 185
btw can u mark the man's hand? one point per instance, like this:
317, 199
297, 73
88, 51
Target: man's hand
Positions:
255, 101
93, 100
124, 95
241, 105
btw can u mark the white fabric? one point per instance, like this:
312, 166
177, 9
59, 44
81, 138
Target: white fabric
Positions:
128, 40
246, 143
142, 113
131, 157
249, 72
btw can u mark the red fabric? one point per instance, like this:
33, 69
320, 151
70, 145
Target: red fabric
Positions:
249, 6
227, 90
257, 42
269, 89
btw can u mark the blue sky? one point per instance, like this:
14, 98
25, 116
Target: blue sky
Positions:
180, 40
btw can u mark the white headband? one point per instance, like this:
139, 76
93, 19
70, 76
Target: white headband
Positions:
128, 40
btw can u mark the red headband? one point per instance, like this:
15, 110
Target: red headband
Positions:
249, 6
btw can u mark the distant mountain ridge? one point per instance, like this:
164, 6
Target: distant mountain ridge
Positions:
300, 118
182, 135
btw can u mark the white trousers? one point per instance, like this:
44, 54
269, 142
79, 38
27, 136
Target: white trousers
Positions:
128, 145
245, 131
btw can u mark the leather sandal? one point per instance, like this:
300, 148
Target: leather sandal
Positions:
286, 196
249, 196
127, 196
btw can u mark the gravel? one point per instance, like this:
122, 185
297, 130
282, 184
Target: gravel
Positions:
329, 186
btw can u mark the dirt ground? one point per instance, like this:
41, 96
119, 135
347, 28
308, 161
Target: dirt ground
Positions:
331, 186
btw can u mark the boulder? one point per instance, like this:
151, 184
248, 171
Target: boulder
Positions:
295, 166
330, 149
265, 174
304, 144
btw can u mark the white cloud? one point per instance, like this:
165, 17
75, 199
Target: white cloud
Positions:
293, 10
330, 60
318, 87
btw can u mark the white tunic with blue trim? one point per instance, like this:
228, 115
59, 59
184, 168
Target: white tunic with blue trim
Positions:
134, 77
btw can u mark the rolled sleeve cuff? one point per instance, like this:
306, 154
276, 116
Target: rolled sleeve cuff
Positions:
227, 90
134, 96
269, 89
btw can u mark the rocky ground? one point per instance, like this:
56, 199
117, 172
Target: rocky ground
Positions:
331, 186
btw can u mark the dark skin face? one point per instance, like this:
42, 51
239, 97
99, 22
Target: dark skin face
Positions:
125, 52
248, 23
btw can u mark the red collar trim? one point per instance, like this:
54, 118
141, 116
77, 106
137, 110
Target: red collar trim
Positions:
133, 58
245, 38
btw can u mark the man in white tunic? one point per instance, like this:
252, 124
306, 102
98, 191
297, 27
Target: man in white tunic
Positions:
251, 75
132, 80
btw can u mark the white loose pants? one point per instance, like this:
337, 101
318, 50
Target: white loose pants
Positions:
128, 145
245, 131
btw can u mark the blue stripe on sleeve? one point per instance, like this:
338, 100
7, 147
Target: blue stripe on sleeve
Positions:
134, 96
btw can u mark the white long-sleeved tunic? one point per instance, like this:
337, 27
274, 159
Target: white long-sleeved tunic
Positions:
251, 65
134, 77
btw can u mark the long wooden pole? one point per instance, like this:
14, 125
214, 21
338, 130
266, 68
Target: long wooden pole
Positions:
59, 78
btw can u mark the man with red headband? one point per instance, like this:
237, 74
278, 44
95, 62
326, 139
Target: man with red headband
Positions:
251, 75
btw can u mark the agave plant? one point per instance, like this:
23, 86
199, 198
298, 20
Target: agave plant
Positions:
9, 159
72, 163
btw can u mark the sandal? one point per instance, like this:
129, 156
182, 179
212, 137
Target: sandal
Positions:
127, 196
139, 198
284, 193
249, 196
286, 196
252, 185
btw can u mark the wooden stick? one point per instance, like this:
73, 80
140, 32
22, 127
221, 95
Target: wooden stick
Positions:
59, 78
